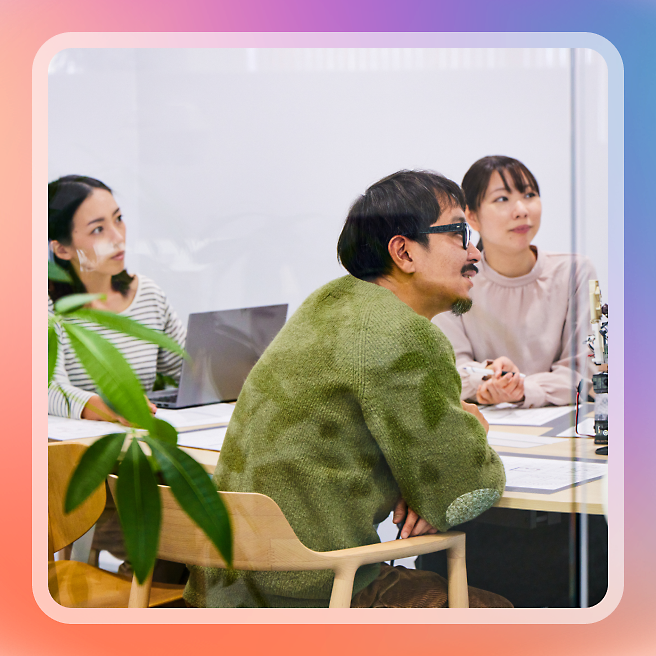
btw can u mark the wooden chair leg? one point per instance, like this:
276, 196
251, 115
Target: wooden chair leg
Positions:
82, 546
342, 588
140, 594
94, 557
65, 553
458, 592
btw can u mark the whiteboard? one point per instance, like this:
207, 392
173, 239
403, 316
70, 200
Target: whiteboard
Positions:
235, 168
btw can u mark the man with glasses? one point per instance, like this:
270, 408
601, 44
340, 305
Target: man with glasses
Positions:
354, 409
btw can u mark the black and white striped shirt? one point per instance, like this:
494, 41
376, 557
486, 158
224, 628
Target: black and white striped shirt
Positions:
149, 307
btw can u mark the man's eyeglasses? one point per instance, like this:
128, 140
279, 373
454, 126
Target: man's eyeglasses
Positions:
462, 228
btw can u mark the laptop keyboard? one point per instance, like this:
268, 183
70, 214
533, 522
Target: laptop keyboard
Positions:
166, 398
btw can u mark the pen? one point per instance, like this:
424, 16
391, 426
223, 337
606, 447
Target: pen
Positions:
487, 372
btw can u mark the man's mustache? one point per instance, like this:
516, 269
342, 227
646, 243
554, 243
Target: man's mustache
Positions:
469, 267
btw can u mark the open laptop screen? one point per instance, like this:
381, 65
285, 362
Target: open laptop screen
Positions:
223, 347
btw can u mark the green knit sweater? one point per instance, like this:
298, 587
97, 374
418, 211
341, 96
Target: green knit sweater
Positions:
355, 403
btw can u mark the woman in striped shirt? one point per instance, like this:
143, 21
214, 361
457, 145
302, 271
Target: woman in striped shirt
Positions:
86, 234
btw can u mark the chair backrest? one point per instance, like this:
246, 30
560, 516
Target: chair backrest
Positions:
63, 529
261, 535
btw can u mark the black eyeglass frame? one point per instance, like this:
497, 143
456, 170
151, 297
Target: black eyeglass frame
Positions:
463, 227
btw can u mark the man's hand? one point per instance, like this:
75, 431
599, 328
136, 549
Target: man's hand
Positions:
414, 525
507, 388
473, 409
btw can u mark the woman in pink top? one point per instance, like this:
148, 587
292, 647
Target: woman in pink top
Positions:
530, 311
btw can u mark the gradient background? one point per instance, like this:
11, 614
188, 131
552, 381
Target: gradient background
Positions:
25, 26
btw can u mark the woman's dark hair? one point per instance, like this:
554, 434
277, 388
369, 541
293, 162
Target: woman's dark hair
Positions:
404, 203
477, 179
65, 195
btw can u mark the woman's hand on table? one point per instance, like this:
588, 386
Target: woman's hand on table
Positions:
499, 387
97, 410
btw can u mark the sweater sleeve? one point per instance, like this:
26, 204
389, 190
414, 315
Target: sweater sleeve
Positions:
437, 452
168, 363
64, 399
558, 386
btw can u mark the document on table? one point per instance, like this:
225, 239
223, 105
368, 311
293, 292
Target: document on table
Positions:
63, 428
586, 427
518, 440
209, 438
511, 416
216, 414
547, 475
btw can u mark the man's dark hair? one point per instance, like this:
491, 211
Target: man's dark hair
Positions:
404, 203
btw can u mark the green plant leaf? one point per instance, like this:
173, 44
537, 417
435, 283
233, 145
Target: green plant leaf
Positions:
162, 430
195, 493
140, 510
94, 467
111, 373
55, 272
53, 346
72, 302
129, 327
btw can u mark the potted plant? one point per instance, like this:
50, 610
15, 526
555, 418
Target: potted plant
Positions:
137, 494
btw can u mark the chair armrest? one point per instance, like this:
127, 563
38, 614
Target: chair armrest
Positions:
376, 553
345, 563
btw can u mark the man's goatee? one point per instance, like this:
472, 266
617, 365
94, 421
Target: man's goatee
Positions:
461, 306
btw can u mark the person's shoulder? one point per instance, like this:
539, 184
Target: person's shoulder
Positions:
565, 258
148, 291
337, 287
146, 283
394, 322
347, 291
566, 263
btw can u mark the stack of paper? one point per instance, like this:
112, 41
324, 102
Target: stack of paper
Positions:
210, 438
585, 428
511, 416
518, 440
546, 475
62, 428
217, 414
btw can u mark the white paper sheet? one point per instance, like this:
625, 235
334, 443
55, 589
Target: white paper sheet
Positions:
206, 415
62, 428
210, 438
548, 475
586, 426
504, 415
519, 440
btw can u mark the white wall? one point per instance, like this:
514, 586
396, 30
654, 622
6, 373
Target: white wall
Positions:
235, 167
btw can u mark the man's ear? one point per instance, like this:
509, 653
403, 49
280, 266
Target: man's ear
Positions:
472, 219
401, 256
61, 251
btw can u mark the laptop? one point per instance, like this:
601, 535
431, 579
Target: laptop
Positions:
223, 347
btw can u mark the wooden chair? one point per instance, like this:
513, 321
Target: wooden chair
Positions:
263, 540
74, 584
